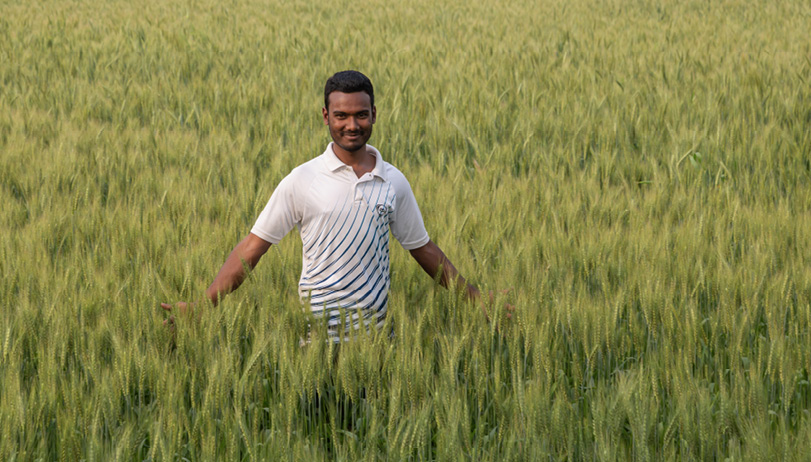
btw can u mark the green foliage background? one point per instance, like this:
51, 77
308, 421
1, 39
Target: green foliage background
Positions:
638, 171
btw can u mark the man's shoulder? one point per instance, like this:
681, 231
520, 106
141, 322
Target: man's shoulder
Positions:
395, 176
302, 177
306, 170
389, 171
312, 165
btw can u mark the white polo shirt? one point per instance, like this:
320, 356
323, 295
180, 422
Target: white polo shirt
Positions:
344, 224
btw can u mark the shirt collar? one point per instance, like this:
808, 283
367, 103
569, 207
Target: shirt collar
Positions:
334, 163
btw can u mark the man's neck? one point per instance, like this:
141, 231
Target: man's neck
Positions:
362, 161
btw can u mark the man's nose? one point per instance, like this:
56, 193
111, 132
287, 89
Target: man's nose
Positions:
352, 123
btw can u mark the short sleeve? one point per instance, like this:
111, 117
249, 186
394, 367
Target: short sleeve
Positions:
407, 225
280, 214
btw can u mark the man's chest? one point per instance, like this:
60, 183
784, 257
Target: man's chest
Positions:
335, 204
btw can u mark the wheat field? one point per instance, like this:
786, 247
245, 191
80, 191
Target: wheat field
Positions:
638, 172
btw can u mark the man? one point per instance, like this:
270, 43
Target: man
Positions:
344, 203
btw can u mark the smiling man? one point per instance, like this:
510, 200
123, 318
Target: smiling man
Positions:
345, 202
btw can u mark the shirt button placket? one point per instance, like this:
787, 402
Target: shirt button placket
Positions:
358, 191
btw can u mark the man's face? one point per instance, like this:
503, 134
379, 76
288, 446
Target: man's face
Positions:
350, 117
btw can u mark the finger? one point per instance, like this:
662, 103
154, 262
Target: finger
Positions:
166, 306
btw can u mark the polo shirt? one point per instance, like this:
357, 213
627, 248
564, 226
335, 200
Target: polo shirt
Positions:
344, 223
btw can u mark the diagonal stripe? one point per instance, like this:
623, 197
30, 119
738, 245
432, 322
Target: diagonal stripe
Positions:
328, 233
349, 246
380, 263
374, 241
329, 259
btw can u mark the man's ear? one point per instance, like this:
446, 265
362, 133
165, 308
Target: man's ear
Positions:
325, 113
374, 114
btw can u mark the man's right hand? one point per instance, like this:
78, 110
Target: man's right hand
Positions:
180, 308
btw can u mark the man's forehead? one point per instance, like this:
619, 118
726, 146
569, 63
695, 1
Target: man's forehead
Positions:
358, 100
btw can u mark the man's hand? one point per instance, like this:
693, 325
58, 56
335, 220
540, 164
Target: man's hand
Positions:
182, 308
492, 301
473, 294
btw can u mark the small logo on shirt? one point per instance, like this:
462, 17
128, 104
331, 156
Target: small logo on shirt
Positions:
382, 209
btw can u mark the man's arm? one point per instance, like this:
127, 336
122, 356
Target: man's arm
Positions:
232, 273
433, 260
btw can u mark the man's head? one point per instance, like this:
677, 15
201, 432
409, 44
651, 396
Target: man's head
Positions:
349, 82
349, 110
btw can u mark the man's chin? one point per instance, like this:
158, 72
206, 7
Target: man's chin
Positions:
353, 147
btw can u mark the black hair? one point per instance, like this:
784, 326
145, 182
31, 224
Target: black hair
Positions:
348, 82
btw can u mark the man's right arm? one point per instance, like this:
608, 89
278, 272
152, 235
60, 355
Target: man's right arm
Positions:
245, 255
243, 258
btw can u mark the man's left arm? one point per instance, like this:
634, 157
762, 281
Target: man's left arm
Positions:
408, 228
434, 261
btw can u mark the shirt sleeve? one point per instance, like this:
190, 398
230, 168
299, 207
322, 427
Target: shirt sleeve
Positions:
407, 225
281, 213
